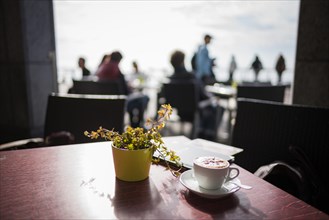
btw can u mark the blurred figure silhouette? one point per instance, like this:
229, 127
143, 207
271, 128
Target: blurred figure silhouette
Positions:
136, 68
232, 69
280, 67
109, 70
136, 102
137, 78
104, 59
257, 66
203, 64
209, 110
180, 72
81, 63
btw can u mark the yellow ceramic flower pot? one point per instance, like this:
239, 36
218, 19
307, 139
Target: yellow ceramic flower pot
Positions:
132, 165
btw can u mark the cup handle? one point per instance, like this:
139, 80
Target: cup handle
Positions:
229, 177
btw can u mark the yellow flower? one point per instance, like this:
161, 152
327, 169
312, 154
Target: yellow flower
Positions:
94, 135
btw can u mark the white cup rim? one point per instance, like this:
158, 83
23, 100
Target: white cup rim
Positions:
211, 167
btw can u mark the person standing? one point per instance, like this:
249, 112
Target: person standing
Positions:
203, 63
232, 69
257, 66
82, 63
280, 67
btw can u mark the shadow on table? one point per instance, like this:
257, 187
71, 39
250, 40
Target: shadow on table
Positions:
230, 207
135, 199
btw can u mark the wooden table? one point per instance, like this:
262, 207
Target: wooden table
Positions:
78, 182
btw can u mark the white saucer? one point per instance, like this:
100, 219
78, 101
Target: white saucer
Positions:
188, 180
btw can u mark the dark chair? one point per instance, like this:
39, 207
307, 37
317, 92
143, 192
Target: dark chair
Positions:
183, 96
68, 116
255, 83
96, 87
136, 102
263, 92
78, 113
267, 131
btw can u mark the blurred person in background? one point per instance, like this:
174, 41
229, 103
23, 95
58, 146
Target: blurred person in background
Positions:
137, 78
136, 101
105, 58
209, 110
233, 66
256, 66
280, 67
82, 66
203, 63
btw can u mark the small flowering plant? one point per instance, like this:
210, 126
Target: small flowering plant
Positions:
140, 138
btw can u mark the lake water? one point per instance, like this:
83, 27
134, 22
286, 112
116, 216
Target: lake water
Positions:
149, 31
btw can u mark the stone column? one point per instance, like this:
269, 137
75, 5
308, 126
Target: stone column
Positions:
27, 73
311, 82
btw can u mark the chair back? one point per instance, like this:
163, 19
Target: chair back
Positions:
77, 113
263, 92
97, 87
184, 97
255, 83
270, 132
266, 130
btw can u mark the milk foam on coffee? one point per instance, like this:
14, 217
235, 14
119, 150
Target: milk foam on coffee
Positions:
212, 162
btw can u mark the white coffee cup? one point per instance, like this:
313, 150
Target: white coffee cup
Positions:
212, 172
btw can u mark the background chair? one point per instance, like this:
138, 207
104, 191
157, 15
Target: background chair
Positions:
184, 97
262, 91
267, 131
96, 87
69, 115
78, 113
136, 102
256, 83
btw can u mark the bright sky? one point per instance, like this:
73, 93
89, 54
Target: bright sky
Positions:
149, 31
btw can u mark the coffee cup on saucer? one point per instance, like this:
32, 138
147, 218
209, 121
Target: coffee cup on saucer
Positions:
212, 172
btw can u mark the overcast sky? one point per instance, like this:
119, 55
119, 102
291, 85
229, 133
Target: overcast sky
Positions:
149, 31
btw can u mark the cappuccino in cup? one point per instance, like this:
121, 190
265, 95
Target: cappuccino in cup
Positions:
212, 162
212, 172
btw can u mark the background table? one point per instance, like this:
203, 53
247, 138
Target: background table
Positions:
226, 95
78, 182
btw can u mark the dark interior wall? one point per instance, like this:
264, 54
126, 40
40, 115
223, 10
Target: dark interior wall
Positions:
27, 75
14, 110
39, 47
311, 82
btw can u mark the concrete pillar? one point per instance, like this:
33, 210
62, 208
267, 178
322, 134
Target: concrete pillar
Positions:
311, 82
27, 73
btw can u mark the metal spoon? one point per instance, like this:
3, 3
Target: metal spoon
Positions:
238, 183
